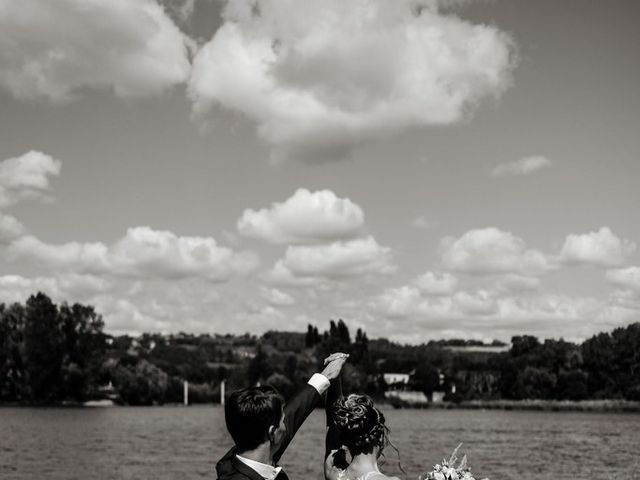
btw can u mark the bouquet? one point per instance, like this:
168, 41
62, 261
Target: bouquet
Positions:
449, 471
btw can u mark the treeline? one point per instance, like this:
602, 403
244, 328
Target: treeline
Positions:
59, 353
48, 353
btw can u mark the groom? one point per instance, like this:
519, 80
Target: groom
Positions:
262, 425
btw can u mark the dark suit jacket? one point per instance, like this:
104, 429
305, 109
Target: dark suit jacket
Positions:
296, 411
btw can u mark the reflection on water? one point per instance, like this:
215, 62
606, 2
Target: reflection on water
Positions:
174, 442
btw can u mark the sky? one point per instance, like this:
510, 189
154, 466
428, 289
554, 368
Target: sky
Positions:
421, 169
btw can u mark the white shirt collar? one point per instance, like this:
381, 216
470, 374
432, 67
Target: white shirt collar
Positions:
268, 472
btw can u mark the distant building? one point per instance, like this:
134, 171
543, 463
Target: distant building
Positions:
410, 397
478, 348
438, 396
244, 351
396, 381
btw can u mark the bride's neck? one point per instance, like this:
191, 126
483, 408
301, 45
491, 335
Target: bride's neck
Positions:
364, 463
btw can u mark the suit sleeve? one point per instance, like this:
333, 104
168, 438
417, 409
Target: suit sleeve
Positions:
332, 441
296, 412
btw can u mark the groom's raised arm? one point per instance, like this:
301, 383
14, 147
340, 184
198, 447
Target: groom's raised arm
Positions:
302, 404
332, 441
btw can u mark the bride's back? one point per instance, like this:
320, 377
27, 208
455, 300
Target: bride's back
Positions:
362, 432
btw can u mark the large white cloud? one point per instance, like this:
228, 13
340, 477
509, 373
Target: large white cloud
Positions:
305, 218
336, 260
26, 176
52, 49
319, 78
142, 252
601, 249
523, 166
492, 251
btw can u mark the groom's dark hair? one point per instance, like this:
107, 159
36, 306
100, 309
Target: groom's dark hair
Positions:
250, 412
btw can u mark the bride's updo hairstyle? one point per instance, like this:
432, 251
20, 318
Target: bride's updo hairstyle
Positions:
360, 424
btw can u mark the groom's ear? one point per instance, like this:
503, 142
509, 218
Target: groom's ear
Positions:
271, 433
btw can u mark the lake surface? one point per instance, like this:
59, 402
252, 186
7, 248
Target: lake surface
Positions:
182, 443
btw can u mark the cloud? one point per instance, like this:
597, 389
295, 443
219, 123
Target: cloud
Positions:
16, 288
62, 287
523, 166
431, 283
625, 277
320, 79
304, 218
26, 176
181, 10
336, 260
487, 313
481, 302
491, 251
142, 252
276, 298
422, 223
514, 284
54, 49
10, 229
599, 249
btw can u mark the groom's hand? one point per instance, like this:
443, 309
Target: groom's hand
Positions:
333, 365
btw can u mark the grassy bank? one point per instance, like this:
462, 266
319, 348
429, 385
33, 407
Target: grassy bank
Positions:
536, 405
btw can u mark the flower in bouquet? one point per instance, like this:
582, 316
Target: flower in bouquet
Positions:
448, 470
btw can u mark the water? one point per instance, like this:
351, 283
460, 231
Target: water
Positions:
184, 443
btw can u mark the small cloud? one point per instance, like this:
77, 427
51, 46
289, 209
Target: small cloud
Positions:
625, 277
422, 223
431, 283
26, 177
304, 218
599, 249
181, 10
492, 251
10, 229
523, 166
277, 298
336, 260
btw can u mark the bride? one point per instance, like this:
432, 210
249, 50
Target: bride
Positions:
357, 428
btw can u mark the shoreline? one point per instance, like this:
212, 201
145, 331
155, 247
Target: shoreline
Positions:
597, 406
601, 406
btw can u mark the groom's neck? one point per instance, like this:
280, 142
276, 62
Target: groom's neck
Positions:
260, 454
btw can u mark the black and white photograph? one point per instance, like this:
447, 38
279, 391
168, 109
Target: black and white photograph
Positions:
320, 239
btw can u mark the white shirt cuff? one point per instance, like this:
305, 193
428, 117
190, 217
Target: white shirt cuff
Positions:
319, 382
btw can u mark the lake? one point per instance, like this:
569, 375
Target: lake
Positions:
183, 443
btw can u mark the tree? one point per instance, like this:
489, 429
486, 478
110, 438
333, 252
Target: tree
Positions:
142, 384
342, 333
312, 337
43, 349
426, 379
535, 383
259, 367
572, 385
12, 372
360, 350
84, 348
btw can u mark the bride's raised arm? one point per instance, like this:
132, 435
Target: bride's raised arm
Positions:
332, 441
